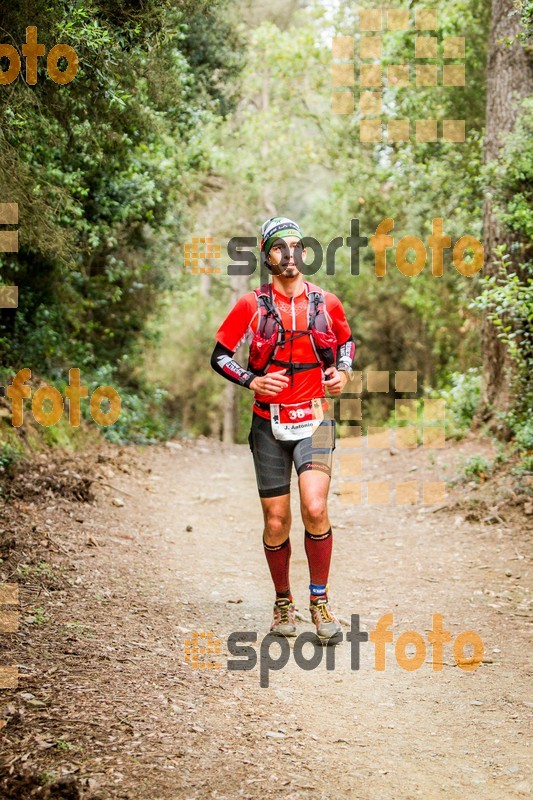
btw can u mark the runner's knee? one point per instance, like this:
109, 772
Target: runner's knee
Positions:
314, 511
277, 524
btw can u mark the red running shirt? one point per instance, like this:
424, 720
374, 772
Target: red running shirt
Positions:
242, 322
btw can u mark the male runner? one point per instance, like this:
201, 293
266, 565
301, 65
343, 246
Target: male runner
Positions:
300, 344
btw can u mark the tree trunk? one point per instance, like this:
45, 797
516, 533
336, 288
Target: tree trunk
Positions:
231, 409
239, 284
509, 80
205, 285
267, 199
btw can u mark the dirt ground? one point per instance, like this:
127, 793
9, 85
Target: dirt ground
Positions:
112, 588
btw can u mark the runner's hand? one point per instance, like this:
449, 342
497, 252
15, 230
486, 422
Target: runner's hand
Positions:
336, 381
271, 384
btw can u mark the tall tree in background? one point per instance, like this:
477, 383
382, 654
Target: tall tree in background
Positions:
103, 170
509, 80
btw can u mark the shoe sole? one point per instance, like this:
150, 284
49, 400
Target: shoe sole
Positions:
279, 633
327, 641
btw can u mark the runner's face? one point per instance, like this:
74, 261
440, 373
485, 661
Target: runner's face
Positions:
285, 255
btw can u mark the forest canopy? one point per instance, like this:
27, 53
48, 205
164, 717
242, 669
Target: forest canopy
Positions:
203, 119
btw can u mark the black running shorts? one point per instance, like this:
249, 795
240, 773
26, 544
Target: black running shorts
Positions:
273, 459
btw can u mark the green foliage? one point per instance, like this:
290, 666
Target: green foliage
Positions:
296, 158
512, 177
507, 299
525, 466
423, 322
507, 296
103, 170
38, 616
525, 9
10, 457
181, 362
63, 744
477, 467
524, 434
59, 435
196, 120
43, 568
47, 777
462, 398
144, 417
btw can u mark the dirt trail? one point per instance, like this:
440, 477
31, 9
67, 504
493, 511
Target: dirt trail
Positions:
183, 554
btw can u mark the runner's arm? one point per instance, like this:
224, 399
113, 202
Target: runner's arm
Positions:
345, 354
223, 362
341, 328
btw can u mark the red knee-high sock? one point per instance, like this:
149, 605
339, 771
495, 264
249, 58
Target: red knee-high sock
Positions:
318, 550
278, 558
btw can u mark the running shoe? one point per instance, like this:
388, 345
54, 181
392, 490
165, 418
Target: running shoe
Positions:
328, 628
283, 623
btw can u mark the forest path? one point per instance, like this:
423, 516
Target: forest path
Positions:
154, 727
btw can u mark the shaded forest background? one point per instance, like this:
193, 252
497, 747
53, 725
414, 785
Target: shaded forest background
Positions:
202, 119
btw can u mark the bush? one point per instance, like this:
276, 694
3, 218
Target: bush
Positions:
144, 417
507, 296
525, 467
462, 398
477, 467
524, 435
9, 458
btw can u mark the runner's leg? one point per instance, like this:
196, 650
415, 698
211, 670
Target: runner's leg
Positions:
313, 459
276, 541
277, 517
273, 466
314, 488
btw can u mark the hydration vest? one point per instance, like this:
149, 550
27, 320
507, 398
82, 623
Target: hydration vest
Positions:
271, 335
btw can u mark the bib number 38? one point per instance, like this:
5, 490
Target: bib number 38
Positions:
296, 413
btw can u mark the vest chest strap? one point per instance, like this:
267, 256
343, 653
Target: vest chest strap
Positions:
295, 366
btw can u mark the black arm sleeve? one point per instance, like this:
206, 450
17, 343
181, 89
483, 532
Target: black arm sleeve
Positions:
223, 362
345, 354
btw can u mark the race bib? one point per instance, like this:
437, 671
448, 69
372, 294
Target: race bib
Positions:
294, 421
